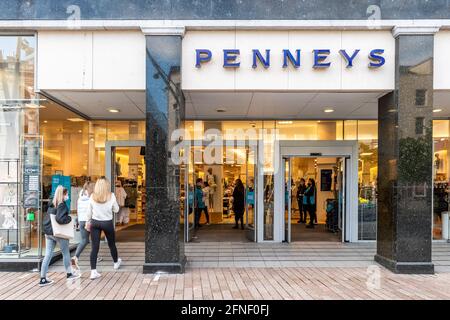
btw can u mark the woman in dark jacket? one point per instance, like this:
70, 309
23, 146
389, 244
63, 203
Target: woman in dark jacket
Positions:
239, 203
309, 199
61, 212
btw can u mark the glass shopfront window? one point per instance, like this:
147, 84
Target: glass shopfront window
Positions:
441, 169
74, 150
20, 144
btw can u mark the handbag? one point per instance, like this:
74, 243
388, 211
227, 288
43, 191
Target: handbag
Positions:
64, 231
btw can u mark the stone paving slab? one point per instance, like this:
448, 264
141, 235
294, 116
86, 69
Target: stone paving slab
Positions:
300, 282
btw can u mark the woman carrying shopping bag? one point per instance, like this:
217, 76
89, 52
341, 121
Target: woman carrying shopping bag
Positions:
58, 229
102, 207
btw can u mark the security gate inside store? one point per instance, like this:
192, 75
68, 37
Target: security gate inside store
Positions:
328, 211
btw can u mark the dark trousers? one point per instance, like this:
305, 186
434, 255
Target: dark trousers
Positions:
96, 230
312, 214
301, 210
239, 216
198, 214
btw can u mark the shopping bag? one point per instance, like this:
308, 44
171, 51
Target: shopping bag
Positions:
64, 231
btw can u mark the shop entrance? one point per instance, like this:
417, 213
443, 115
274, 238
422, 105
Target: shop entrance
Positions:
213, 184
315, 202
319, 191
125, 167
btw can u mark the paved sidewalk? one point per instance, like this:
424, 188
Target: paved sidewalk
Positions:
243, 271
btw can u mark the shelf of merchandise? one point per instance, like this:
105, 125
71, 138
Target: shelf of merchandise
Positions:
16, 206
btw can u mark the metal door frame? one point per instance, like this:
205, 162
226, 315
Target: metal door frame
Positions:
110, 147
339, 149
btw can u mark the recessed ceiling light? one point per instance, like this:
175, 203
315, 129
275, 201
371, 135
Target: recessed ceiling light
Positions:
113, 110
45, 121
79, 131
221, 110
75, 119
328, 110
285, 122
366, 154
437, 110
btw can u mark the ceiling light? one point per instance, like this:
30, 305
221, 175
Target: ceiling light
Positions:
285, 122
79, 131
75, 119
328, 110
221, 110
45, 121
366, 154
437, 110
113, 110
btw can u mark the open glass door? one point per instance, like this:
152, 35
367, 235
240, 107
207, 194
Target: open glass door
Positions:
341, 193
113, 177
287, 199
250, 199
189, 179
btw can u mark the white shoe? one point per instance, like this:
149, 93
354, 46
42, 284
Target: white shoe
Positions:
99, 259
74, 262
117, 264
95, 275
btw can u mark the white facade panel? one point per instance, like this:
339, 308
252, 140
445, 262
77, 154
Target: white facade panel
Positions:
64, 60
118, 60
441, 65
91, 60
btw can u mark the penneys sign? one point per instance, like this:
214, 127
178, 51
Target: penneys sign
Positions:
262, 58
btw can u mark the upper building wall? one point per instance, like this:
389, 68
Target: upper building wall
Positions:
91, 60
224, 10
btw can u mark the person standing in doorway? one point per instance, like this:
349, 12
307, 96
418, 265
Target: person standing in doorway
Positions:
239, 203
102, 206
199, 203
58, 208
121, 195
309, 199
300, 193
82, 213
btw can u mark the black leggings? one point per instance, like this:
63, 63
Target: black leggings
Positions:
96, 230
239, 216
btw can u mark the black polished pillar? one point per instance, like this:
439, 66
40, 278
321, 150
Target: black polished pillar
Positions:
405, 158
164, 246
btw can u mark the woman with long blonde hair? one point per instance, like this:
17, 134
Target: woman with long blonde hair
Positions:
58, 208
102, 207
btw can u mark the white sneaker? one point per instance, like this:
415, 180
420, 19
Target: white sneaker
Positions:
117, 264
95, 275
74, 262
99, 259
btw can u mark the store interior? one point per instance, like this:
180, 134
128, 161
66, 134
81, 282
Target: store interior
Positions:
327, 174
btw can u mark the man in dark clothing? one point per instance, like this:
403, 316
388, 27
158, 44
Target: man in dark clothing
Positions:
300, 192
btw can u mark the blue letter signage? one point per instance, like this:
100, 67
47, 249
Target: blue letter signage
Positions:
229, 58
320, 56
202, 55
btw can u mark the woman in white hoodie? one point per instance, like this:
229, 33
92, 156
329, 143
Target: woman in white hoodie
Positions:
82, 213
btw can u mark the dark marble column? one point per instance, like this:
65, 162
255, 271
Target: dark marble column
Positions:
405, 155
164, 246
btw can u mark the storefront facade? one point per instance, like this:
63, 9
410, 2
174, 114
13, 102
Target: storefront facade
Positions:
357, 101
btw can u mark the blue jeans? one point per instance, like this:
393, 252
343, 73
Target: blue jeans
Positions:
84, 239
50, 246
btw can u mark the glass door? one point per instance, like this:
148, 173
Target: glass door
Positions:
341, 195
287, 199
189, 178
250, 199
113, 177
